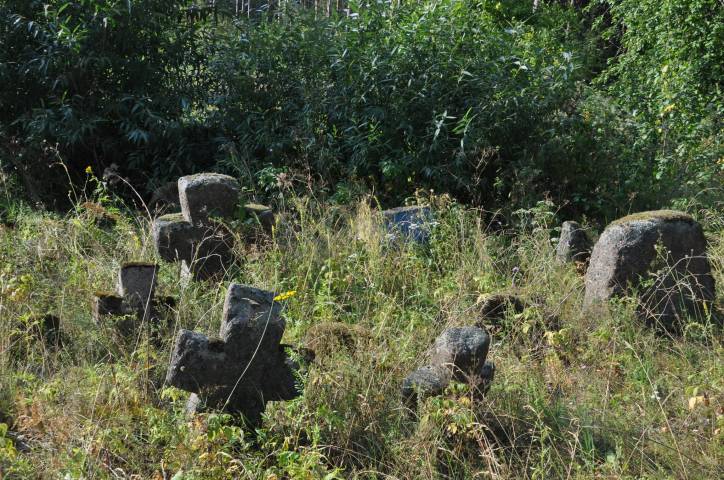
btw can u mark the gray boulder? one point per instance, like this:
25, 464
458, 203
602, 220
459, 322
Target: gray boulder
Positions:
461, 349
574, 244
427, 381
673, 280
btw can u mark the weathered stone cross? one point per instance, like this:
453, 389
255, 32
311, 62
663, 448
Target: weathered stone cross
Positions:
203, 245
134, 297
244, 368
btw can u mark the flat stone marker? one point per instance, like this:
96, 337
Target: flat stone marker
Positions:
409, 223
459, 354
245, 367
134, 297
626, 255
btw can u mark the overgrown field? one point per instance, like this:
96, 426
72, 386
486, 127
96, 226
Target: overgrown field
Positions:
577, 394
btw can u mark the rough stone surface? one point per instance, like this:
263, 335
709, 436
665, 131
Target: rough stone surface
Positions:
463, 349
409, 223
424, 382
242, 369
626, 254
574, 244
458, 354
206, 195
136, 284
212, 256
175, 238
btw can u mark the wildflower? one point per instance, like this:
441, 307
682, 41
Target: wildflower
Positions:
285, 296
89, 170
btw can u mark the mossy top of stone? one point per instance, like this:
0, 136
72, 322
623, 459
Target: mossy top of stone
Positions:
172, 217
665, 215
139, 264
190, 178
257, 208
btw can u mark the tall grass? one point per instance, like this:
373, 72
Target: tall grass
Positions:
576, 395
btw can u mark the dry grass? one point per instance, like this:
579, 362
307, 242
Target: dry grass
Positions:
577, 394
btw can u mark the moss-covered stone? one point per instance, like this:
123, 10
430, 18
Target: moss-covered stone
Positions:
664, 215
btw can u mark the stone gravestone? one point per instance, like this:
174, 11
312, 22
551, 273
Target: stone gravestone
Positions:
245, 367
574, 244
195, 237
134, 298
675, 279
458, 354
411, 224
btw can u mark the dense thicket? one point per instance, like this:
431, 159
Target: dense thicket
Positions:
606, 108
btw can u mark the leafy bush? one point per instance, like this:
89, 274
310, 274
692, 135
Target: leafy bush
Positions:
108, 81
436, 95
493, 102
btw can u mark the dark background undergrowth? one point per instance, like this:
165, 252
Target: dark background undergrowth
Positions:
603, 106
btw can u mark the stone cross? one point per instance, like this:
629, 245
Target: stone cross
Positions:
245, 367
194, 237
134, 297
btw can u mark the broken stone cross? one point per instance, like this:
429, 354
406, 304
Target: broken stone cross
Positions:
203, 245
245, 367
458, 354
134, 297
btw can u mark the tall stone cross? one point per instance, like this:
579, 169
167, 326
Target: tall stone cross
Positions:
245, 367
134, 297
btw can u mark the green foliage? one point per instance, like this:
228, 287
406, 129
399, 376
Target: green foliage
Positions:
608, 108
666, 85
443, 95
108, 81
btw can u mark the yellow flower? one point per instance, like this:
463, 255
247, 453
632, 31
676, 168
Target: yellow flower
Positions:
284, 296
89, 170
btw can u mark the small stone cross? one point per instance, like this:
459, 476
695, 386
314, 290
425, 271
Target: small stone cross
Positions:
203, 246
244, 368
134, 297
